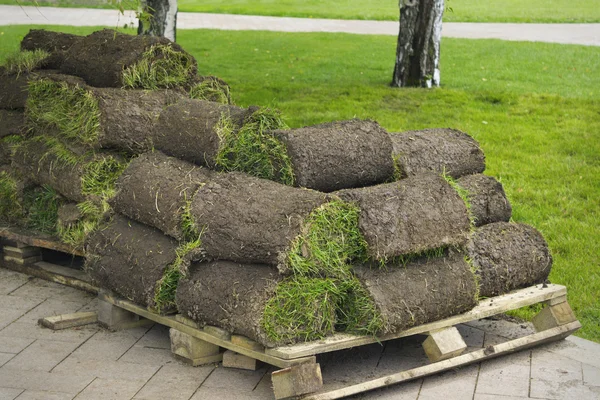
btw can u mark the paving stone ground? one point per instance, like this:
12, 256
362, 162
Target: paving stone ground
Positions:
91, 363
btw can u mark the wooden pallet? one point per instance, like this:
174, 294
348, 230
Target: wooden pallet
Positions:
300, 374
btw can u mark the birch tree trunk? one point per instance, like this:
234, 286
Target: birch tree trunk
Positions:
418, 51
162, 21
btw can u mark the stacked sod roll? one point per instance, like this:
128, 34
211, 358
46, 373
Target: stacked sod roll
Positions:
184, 202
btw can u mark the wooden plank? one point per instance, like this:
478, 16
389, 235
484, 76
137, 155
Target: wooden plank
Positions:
247, 343
39, 240
295, 381
55, 273
508, 347
23, 252
231, 359
172, 322
65, 321
486, 308
22, 261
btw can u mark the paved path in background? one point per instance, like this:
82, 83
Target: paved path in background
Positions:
585, 34
90, 363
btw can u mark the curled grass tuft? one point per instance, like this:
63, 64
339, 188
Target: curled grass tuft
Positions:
464, 195
211, 90
329, 240
160, 66
101, 175
41, 205
71, 110
254, 149
75, 234
358, 313
302, 308
25, 61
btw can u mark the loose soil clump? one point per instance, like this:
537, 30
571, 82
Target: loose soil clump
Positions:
108, 58
338, 155
54, 43
157, 190
410, 216
11, 123
488, 202
424, 290
441, 151
508, 256
257, 302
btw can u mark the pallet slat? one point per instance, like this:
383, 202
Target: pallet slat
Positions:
38, 240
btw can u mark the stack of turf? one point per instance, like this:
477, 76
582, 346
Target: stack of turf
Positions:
222, 212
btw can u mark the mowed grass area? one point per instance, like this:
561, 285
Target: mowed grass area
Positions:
462, 10
534, 108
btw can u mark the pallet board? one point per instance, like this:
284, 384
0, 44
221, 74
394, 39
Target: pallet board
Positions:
37, 240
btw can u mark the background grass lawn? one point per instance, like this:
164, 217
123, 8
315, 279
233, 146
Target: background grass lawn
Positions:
462, 10
533, 107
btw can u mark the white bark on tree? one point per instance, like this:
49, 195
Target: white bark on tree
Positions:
418, 51
162, 19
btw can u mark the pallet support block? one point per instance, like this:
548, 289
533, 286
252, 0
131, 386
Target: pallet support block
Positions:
296, 381
231, 359
115, 318
65, 321
444, 344
21, 254
192, 350
553, 316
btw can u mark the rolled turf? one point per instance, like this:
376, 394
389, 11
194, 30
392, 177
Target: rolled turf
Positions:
257, 302
409, 216
108, 58
14, 87
441, 151
338, 155
157, 190
11, 123
487, 200
508, 256
56, 44
421, 291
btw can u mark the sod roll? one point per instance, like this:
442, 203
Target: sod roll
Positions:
487, 199
421, 291
11, 123
255, 301
157, 190
338, 155
190, 129
410, 216
47, 162
96, 117
55, 43
12, 189
108, 58
509, 256
444, 150
129, 258
14, 87
250, 220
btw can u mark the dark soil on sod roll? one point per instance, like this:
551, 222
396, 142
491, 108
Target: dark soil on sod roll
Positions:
189, 129
424, 290
103, 57
156, 189
443, 150
410, 216
129, 258
243, 298
55, 43
11, 123
248, 219
488, 202
508, 256
13, 88
338, 155
69, 214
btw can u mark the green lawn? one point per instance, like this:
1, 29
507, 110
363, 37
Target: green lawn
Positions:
462, 10
534, 108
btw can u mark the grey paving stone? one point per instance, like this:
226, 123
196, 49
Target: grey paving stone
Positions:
504, 328
473, 337
42, 381
482, 396
577, 349
101, 347
148, 356
110, 389
157, 337
126, 334
52, 307
14, 344
9, 393
44, 395
234, 379
16, 302
10, 281
174, 381
209, 393
42, 355
91, 368
264, 388
555, 377
41, 289
591, 375
30, 330
403, 391
91, 306
506, 376
5, 357
460, 383
402, 354
340, 367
